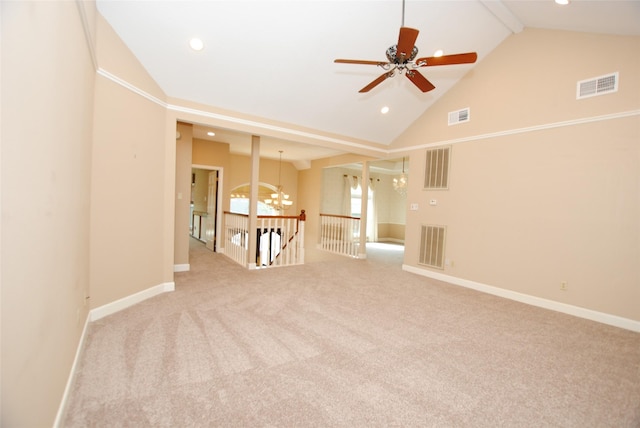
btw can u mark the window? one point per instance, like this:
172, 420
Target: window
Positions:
240, 205
240, 200
356, 210
356, 201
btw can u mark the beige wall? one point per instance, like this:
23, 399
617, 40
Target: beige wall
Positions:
332, 200
191, 151
545, 188
183, 193
128, 242
200, 191
239, 174
530, 80
237, 169
214, 154
98, 221
391, 209
47, 103
391, 232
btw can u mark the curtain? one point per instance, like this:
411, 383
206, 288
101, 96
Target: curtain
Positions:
346, 195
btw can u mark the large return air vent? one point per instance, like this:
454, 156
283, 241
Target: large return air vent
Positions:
597, 86
459, 116
436, 172
432, 246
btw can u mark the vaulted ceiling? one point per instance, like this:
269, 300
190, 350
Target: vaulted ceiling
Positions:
275, 59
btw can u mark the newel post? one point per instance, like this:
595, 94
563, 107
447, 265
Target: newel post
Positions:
302, 218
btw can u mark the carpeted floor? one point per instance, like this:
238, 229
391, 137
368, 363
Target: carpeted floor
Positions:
354, 343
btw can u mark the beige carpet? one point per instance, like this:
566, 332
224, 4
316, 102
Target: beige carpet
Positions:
353, 343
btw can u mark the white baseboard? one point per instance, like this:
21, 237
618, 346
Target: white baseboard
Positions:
394, 240
601, 317
182, 268
125, 302
96, 314
72, 374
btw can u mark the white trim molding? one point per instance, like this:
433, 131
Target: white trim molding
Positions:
186, 267
125, 302
516, 131
96, 314
236, 120
87, 33
601, 317
351, 144
115, 79
275, 128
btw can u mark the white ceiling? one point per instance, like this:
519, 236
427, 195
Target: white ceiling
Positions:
274, 59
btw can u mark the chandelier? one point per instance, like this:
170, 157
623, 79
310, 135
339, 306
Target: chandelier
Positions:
279, 200
400, 183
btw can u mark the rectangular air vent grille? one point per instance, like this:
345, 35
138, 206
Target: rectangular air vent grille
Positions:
597, 86
432, 246
459, 116
436, 173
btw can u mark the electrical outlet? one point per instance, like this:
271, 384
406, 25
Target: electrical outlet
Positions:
564, 286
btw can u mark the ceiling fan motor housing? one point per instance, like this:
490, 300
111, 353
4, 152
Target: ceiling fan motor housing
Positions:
392, 55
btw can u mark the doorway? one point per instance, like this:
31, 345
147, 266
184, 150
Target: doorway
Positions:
206, 205
386, 204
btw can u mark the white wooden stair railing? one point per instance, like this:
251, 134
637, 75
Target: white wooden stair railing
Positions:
340, 234
280, 239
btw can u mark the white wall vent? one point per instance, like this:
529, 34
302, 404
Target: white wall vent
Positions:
597, 86
432, 240
459, 116
436, 172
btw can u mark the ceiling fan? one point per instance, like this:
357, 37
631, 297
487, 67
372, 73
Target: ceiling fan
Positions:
401, 59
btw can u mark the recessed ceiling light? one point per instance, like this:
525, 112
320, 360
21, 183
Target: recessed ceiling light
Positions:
211, 134
439, 52
196, 44
562, 2
384, 110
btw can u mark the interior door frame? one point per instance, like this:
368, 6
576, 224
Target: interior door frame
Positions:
217, 248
